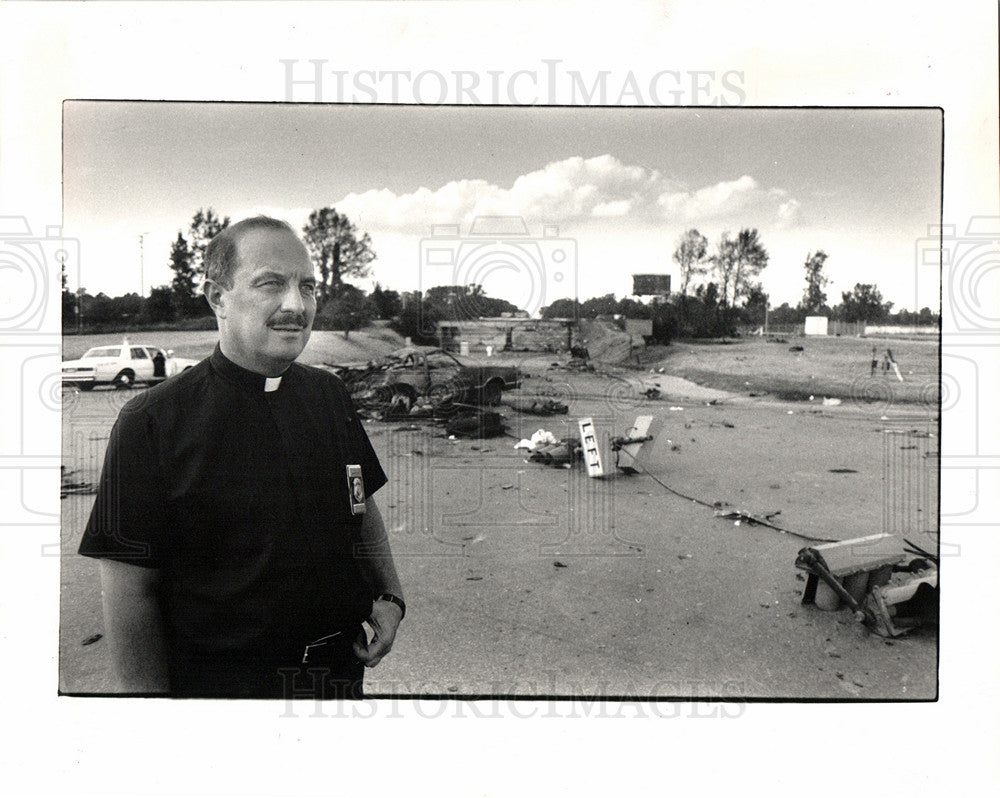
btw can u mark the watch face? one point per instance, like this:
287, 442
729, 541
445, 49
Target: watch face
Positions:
355, 489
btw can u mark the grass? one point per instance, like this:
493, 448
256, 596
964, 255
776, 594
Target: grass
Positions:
825, 367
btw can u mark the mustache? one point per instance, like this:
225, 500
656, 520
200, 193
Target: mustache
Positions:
296, 319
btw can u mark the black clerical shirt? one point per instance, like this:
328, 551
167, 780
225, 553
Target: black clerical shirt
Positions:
236, 488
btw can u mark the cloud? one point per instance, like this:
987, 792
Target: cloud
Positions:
573, 191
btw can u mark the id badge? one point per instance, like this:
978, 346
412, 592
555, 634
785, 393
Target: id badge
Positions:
356, 489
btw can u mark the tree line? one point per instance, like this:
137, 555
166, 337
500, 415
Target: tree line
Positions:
719, 290
338, 249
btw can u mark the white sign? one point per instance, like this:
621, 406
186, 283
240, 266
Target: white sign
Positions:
591, 452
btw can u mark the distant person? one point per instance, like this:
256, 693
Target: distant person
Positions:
874, 360
159, 364
241, 548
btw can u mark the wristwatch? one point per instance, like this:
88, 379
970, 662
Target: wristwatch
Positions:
395, 600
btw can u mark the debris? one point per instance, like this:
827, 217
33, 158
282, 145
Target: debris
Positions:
477, 424
841, 471
843, 571
560, 454
537, 407
677, 408
909, 600
652, 393
558, 564
796, 348
685, 556
832, 401
87, 641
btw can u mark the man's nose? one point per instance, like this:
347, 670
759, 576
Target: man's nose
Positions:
292, 300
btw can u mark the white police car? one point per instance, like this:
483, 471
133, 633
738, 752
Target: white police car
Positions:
123, 365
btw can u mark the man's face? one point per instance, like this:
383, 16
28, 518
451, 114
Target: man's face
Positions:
266, 317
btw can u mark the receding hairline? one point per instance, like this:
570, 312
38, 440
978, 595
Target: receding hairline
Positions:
222, 253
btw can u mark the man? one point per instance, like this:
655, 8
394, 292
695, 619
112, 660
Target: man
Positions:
241, 549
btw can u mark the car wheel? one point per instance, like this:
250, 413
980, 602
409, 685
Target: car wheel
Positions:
125, 379
492, 392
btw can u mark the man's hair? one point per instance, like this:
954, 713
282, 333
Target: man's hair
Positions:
221, 260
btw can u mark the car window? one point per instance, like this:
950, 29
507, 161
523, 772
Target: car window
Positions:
138, 353
103, 351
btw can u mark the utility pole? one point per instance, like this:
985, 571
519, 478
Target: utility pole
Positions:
142, 281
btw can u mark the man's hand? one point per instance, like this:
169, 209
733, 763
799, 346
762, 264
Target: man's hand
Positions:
384, 620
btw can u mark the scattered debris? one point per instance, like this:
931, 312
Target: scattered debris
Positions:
841, 471
869, 575
537, 407
796, 348
87, 641
558, 564
476, 424
540, 438
832, 401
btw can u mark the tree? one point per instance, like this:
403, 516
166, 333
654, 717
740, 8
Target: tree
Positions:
338, 252
755, 309
346, 311
562, 309
814, 297
690, 257
385, 304
864, 303
205, 226
724, 263
183, 285
159, 305
69, 302
749, 260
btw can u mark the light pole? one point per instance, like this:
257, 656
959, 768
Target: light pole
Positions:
142, 281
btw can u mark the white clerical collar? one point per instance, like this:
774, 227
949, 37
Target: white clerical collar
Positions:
271, 384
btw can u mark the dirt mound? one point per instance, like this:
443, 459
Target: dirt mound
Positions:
361, 346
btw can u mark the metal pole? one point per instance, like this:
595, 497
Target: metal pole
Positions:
142, 280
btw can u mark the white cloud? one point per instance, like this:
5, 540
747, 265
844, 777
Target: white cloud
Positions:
571, 192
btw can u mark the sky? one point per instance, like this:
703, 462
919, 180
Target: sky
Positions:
592, 195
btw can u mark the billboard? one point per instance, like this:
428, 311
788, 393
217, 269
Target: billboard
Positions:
650, 284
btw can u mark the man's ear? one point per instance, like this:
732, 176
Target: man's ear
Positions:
216, 296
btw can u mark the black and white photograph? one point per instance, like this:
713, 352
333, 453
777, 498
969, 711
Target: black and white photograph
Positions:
645, 401
497, 398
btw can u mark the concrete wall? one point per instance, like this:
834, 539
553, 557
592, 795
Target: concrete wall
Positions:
536, 335
898, 329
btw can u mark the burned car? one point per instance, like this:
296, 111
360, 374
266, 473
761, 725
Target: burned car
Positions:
416, 372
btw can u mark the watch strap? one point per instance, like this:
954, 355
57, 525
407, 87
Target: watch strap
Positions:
395, 600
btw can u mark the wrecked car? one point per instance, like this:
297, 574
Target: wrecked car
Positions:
416, 372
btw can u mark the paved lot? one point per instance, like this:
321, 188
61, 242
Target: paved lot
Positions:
530, 580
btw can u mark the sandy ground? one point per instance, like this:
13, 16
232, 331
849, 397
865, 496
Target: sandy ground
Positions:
523, 579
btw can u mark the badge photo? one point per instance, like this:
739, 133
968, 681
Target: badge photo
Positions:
356, 489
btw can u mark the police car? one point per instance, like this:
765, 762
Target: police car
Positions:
123, 365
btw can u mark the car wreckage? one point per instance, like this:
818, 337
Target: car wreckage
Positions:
417, 373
